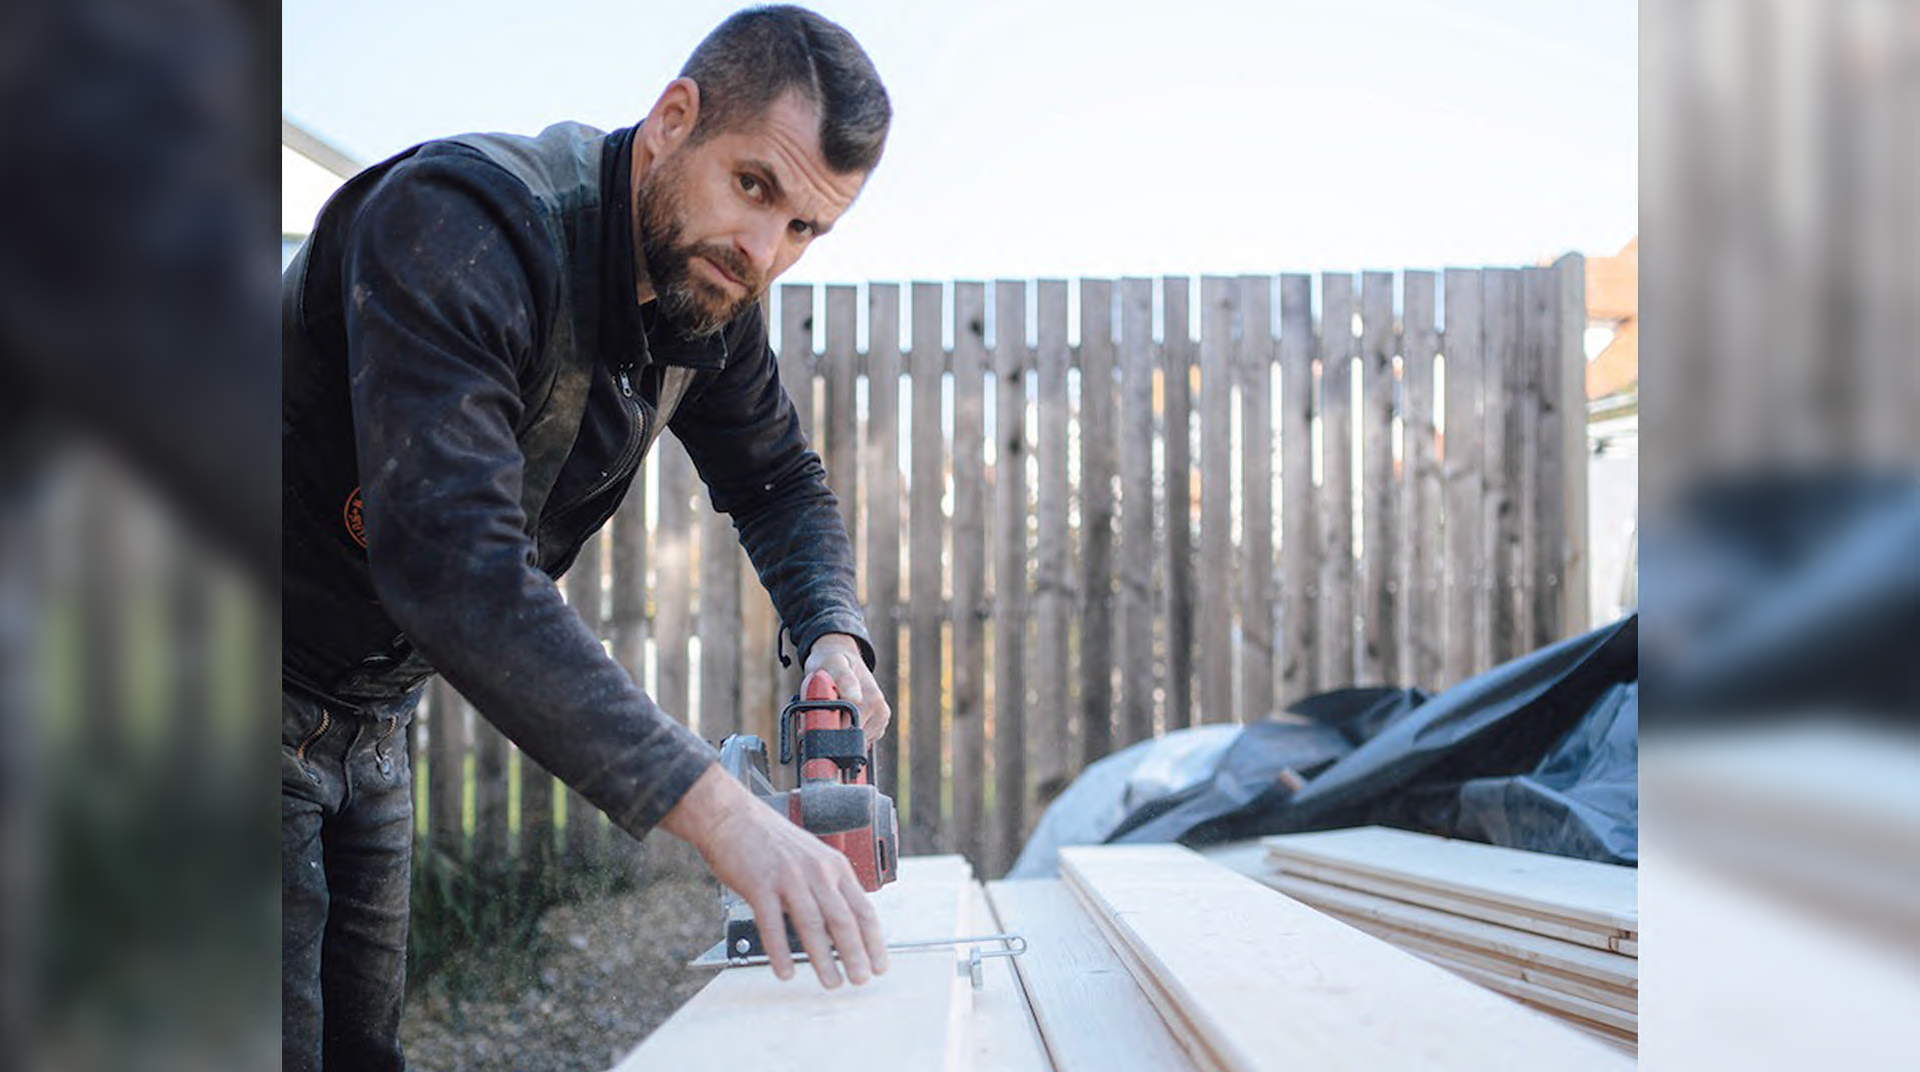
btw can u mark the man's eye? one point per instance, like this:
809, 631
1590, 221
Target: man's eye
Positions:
801, 228
749, 184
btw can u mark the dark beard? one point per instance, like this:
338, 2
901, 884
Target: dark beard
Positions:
694, 307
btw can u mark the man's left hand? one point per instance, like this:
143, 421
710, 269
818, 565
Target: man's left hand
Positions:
839, 655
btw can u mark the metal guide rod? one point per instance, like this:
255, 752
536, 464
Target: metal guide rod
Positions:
1012, 945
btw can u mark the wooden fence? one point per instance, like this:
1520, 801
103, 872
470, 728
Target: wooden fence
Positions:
1205, 503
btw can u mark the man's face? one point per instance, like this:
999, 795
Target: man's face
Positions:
720, 220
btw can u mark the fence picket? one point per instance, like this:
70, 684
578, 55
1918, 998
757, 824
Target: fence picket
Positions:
1098, 449
1136, 598
584, 593
1380, 487
1336, 480
882, 465
1425, 635
1011, 361
1500, 537
1219, 303
1254, 365
1053, 600
1299, 513
926, 541
1178, 378
969, 569
1466, 620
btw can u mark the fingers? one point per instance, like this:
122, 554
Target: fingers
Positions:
856, 685
841, 911
805, 914
875, 715
847, 682
868, 922
831, 913
766, 908
839, 655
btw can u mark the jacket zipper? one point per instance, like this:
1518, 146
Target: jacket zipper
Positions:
629, 452
300, 753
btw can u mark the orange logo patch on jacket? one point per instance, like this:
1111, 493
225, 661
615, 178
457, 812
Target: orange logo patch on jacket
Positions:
355, 516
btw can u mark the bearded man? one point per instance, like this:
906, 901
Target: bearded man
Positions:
481, 339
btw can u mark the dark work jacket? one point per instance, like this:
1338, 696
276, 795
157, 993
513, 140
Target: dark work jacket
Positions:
462, 351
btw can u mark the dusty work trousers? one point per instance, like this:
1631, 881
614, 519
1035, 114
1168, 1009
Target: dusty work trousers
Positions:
346, 842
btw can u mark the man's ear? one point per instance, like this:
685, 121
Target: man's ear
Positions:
673, 117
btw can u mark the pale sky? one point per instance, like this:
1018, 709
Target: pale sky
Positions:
1086, 137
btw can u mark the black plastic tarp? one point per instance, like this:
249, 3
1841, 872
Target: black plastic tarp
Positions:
1539, 753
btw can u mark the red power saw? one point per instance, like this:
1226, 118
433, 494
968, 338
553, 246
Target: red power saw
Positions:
833, 798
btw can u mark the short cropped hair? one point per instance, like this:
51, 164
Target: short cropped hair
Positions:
758, 54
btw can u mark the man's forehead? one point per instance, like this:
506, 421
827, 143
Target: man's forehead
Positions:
786, 140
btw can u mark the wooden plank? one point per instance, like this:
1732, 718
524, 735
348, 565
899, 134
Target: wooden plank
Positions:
1011, 360
916, 1013
926, 541
1002, 1035
1337, 665
842, 419
719, 625
1090, 1011
1628, 1044
1219, 302
1098, 464
1465, 571
1422, 659
1449, 956
1228, 953
1179, 1024
1300, 531
1546, 996
882, 465
1605, 895
1178, 379
1136, 595
969, 571
1320, 884
1379, 574
1049, 758
1500, 462
1524, 946
1254, 366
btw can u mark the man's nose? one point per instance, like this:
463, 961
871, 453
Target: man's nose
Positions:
760, 244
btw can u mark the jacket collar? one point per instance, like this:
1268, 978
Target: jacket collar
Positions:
636, 336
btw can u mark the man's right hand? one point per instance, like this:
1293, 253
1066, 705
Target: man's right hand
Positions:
780, 868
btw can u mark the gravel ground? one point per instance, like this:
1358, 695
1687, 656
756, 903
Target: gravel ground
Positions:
605, 973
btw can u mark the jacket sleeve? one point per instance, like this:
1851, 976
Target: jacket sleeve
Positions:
449, 284
744, 437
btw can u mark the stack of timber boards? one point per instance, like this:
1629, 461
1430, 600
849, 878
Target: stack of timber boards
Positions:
1558, 934
1249, 981
922, 1014
1092, 1014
